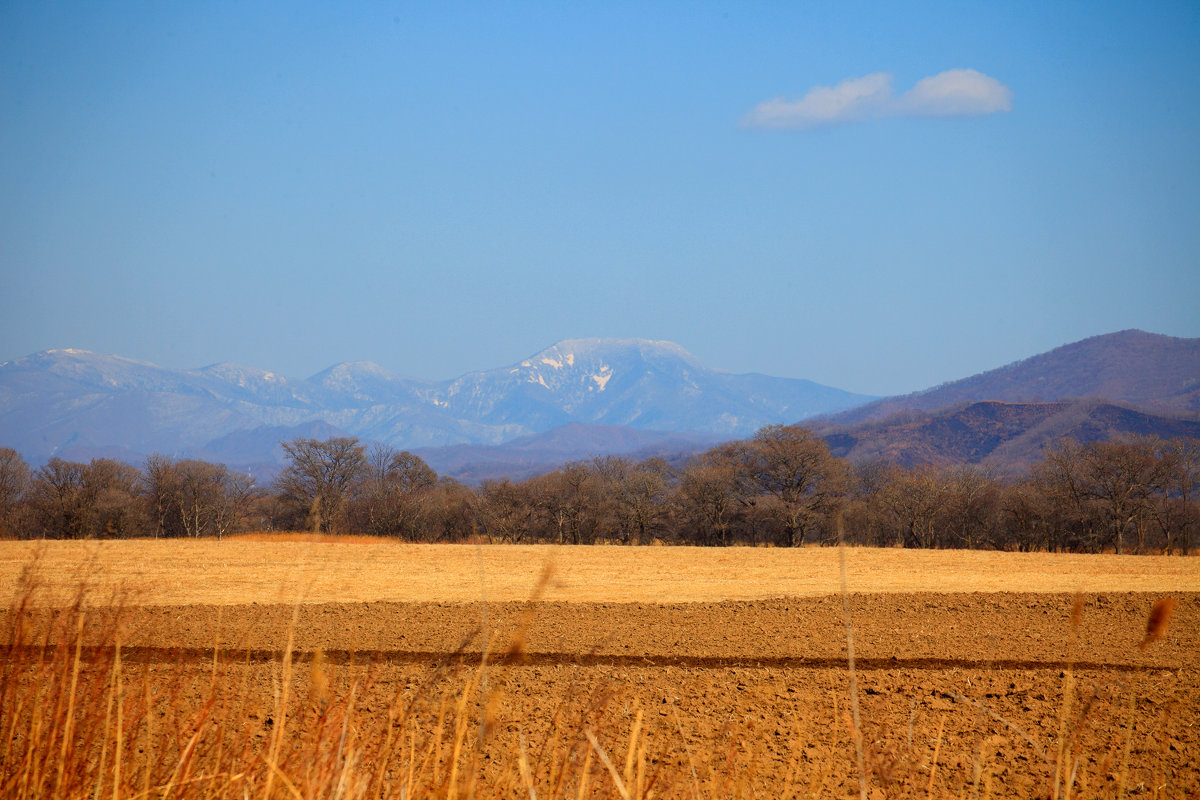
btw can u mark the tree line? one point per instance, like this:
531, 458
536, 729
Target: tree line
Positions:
782, 487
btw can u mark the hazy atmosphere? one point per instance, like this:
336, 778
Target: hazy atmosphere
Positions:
877, 197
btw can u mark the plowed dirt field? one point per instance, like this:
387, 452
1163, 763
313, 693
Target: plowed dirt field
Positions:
963, 693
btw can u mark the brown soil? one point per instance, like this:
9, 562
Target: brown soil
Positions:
979, 690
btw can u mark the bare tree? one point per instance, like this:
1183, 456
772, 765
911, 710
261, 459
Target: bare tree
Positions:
73, 500
710, 497
14, 489
60, 501
507, 510
115, 489
1182, 482
1025, 511
319, 477
410, 472
866, 518
194, 498
1060, 478
392, 498
628, 500
917, 497
239, 492
1122, 477
568, 497
641, 494
451, 511
971, 502
795, 466
160, 478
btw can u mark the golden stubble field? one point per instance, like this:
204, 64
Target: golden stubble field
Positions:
237, 571
379, 669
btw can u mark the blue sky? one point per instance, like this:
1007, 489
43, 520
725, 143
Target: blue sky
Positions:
445, 187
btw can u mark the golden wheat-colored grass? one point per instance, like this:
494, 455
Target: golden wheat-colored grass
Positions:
180, 572
306, 537
80, 723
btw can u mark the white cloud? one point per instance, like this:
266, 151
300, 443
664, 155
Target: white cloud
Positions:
953, 93
850, 101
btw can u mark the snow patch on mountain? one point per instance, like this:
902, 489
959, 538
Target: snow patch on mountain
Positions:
602, 377
242, 376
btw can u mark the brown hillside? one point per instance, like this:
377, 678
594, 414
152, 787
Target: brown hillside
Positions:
1008, 436
1157, 372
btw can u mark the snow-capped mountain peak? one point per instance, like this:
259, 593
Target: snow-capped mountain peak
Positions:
641, 383
98, 370
568, 351
578, 367
55, 397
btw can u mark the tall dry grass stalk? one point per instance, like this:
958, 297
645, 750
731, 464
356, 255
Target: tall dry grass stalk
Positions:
81, 721
856, 731
1156, 627
78, 719
1062, 781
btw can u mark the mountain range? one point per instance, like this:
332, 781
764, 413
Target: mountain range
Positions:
584, 397
77, 404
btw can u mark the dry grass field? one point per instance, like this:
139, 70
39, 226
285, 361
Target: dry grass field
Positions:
267, 668
235, 571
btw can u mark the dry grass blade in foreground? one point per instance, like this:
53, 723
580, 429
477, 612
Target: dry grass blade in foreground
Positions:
84, 722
